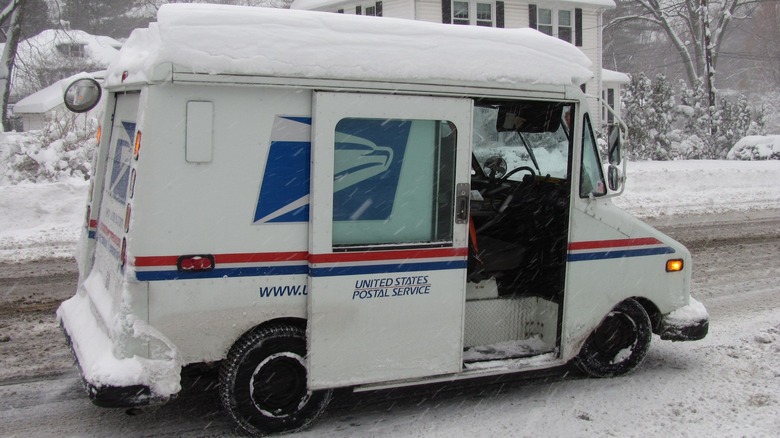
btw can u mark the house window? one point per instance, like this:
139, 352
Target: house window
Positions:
472, 12
545, 21
485, 14
556, 22
72, 50
564, 25
460, 13
611, 103
370, 9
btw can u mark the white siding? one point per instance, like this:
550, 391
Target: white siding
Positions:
591, 38
429, 10
515, 14
398, 9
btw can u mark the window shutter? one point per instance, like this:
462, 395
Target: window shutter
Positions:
578, 27
446, 11
341, 11
532, 16
499, 14
378, 9
358, 10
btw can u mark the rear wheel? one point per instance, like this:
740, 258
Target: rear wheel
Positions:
263, 382
619, 344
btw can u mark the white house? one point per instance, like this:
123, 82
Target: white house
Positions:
577, 21
611, 81
34, 109
49, 57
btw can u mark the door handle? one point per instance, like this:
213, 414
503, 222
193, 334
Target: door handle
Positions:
462, 203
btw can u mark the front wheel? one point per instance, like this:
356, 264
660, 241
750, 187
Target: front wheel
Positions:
263, 382
619, 344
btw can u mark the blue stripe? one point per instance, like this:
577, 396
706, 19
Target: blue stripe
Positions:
336, 271
602, 255
91, 234
305, 120
221, 272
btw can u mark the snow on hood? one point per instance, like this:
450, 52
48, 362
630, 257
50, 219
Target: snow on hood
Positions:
218, 39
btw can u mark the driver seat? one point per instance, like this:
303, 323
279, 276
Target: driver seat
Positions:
492, 257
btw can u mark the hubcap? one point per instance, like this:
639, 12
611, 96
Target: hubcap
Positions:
615, 334
278, 385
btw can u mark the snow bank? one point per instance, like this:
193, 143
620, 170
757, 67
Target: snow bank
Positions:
219, 39
41, 220
756, 147
669, 188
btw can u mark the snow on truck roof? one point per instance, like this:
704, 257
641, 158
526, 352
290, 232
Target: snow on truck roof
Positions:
237, 40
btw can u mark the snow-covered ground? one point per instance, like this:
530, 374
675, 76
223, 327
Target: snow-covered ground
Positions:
43, 220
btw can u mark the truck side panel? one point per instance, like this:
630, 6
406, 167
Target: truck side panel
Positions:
223, 210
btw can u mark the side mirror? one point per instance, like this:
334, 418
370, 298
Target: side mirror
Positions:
614, 152
614, 178
82, 95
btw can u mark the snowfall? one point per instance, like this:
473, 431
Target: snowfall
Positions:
45, 220
741, 369
740, 395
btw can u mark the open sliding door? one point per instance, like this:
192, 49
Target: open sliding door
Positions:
388, 237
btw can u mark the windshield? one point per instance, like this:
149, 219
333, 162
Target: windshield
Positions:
531, 134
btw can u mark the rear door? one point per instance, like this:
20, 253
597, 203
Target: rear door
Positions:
388, 237
111, 225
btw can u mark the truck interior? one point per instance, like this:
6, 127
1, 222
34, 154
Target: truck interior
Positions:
518, 237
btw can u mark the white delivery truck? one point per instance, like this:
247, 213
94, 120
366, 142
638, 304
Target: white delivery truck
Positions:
315, 201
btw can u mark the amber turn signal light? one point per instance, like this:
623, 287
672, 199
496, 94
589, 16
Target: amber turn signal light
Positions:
674, 265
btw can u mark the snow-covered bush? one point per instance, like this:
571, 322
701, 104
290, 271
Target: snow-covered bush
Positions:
664, 128
63, 149
756, 147
649, 116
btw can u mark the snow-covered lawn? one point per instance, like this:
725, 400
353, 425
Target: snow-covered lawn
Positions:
44, 220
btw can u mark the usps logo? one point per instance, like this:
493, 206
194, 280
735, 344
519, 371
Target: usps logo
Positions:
368, 157
120, 168
284, 193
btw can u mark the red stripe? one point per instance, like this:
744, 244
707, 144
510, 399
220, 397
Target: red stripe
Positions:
227, 258
156, 261
388, 255
110, 234
261, 257
93, 223
619, 243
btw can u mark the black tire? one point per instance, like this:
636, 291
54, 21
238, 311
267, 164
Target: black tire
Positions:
619, 344
263, 382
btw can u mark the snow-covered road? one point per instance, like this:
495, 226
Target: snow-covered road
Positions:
726, 385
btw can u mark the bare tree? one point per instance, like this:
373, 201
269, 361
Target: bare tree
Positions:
11, 14
765, 53
695, 29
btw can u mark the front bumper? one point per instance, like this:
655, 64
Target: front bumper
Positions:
688, 323
111, 381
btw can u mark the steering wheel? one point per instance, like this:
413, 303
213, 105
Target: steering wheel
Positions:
519, 169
